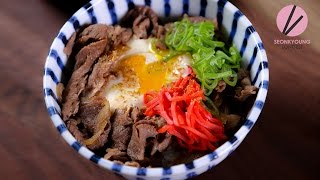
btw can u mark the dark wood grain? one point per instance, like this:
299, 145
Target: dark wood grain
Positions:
284, 144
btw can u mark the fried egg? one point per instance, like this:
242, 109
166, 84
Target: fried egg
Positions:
141, 70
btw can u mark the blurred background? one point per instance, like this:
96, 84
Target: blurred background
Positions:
69, 6
284, 144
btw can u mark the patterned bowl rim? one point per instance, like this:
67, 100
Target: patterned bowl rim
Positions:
208, 160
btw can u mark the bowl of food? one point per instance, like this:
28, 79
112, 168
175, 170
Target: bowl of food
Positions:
156, 89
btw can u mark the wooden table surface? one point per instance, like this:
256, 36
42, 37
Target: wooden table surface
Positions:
284, 144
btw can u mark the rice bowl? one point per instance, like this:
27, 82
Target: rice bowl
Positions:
246, 41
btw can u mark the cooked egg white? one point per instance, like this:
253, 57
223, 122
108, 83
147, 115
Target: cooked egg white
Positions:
139, 71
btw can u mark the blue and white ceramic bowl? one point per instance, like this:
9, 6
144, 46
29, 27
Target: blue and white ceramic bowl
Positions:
241, 33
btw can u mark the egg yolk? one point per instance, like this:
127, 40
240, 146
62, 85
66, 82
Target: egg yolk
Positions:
150, 76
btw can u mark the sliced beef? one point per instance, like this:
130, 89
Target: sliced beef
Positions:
116, 154
144, 22
140, 134
100, 75
92, 43
95, 117
97, 32
145, 120
160, 32
242, 73
231, 121
80, 136
103, 70
161, 144
244, 88
88, 54
141, 26
88, 112
174, 154
245, 82
120, 35
84, 61
70, 95
93, 33
102, 139
217, 99
131, 132
124, 36
121, 129
243, 93
136, 114
72, 125
221, 86
145, 136
158, 121
164, 144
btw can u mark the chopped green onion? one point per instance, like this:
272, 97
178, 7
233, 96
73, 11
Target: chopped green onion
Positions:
212, 61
